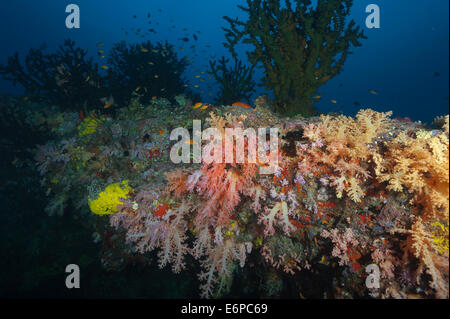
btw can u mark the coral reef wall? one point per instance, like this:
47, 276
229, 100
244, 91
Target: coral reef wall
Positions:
347, 194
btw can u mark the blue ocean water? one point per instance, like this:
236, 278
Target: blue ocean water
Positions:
405, 60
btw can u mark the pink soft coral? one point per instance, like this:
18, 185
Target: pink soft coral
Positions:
149, 229
342, 243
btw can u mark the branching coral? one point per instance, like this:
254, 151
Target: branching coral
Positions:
58, 77
150, 228
235, 82
278, 214
71, 79
146, 69
218, 266
301, 47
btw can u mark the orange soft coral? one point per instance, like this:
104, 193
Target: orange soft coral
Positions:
420, 165
420, 244
343, 146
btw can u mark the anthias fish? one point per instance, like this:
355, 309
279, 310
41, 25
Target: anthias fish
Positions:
242, 104
197, 105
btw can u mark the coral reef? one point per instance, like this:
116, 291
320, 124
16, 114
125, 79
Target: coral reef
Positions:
347, 193
301, 47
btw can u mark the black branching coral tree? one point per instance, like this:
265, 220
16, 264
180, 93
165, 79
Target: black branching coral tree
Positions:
67, 77
71, 79
235, 82
300, 46
146, 69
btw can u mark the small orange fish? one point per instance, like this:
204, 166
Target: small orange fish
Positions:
197, 105
107, 105
204, 107
333, 101
242, 104
104, 67
161, 132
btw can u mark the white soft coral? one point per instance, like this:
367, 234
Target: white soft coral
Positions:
279, 214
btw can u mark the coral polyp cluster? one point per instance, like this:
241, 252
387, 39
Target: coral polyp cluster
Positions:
347, 195
107, 201
88, 126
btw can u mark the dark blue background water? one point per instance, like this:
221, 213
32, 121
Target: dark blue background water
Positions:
399, 60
